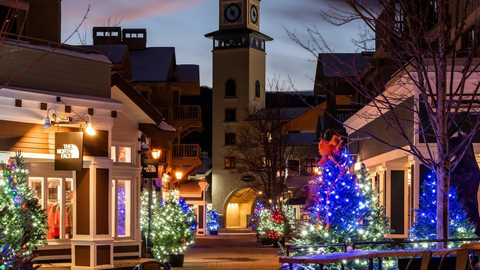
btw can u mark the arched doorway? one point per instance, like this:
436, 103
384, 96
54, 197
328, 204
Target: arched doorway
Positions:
239, 207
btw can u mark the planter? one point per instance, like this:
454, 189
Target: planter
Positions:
448, 263
271, 241
175, 260
213, 232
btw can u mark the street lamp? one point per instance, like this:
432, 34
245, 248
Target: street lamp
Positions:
148, 243
156, 153
179, 176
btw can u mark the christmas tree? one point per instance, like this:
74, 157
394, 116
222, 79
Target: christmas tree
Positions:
426, 220
213, 222
173, 224
272, 222
23, 222
342, 207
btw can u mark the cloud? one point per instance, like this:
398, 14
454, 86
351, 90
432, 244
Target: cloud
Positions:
124, 10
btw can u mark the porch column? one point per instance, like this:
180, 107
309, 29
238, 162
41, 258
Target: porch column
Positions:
92, 243
397, 200
202, 209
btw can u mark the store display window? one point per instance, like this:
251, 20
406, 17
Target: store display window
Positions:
55, 195
122, 204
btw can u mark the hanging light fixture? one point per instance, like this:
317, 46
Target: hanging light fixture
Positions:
48, 123
89, 129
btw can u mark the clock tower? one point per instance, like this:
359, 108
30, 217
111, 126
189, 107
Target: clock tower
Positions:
238, 84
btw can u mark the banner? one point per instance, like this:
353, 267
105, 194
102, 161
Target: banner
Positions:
68, 151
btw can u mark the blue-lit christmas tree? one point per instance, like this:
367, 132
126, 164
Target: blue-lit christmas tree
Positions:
213, 222
342, 206
426, 220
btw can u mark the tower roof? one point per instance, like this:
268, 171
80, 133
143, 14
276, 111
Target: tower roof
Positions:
235, 32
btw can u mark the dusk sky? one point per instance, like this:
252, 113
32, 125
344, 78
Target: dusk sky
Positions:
183, 23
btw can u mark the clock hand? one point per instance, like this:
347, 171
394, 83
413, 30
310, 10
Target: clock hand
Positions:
232, 12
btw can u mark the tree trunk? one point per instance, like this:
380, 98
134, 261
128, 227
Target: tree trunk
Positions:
443, 189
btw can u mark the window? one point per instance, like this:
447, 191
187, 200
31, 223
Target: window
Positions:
113, 153
230, 139
310, 165
114, 34
230, 115
265, 162
230, 88
257, 89
122, 208
230, 162
100, 34
140, 35
293, 167
50, 191
125, 154
133, 35
127, 35
107, 34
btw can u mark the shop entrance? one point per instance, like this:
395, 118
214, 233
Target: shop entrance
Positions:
239, 208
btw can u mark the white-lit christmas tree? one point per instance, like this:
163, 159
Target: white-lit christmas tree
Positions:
173, 224
424, 227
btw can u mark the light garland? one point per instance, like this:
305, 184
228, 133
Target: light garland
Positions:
23, 224
213, 221
173, 224
426, 220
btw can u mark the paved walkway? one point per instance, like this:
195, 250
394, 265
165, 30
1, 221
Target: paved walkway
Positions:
231, 250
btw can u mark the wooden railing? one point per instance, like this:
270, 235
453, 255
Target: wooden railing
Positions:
187, 112
181, 113
185, 151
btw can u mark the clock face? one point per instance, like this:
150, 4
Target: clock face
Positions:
232, 12
254, 14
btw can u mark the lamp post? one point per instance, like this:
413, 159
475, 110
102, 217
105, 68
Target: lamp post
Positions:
148, 244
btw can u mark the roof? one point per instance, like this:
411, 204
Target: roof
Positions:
284, 113
136, 97
152, 64
302, 139
206, 166
342, 64
114, 52
186, 73
237, 31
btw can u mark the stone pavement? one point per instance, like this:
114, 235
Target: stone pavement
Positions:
230, 250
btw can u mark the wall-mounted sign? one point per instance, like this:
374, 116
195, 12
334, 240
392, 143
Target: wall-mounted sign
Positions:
150, 168
68, 151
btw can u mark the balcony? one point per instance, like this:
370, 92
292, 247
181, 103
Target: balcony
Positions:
181, 113
186, 154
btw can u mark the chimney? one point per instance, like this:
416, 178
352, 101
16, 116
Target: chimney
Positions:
107, 35
136, 39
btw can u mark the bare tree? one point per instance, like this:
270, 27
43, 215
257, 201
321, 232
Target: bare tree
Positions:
433, 46
264, 146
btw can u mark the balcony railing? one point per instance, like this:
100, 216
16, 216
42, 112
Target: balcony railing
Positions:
186, 151
182, 113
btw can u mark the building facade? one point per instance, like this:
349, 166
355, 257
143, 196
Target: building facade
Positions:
238, 84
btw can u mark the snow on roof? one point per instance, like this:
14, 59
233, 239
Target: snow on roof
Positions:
67, 51
114, 52
284, 113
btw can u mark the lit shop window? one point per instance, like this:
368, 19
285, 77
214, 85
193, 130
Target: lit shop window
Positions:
124, 154
121, 154
113, 153
36, 184
122, 207
55, 195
